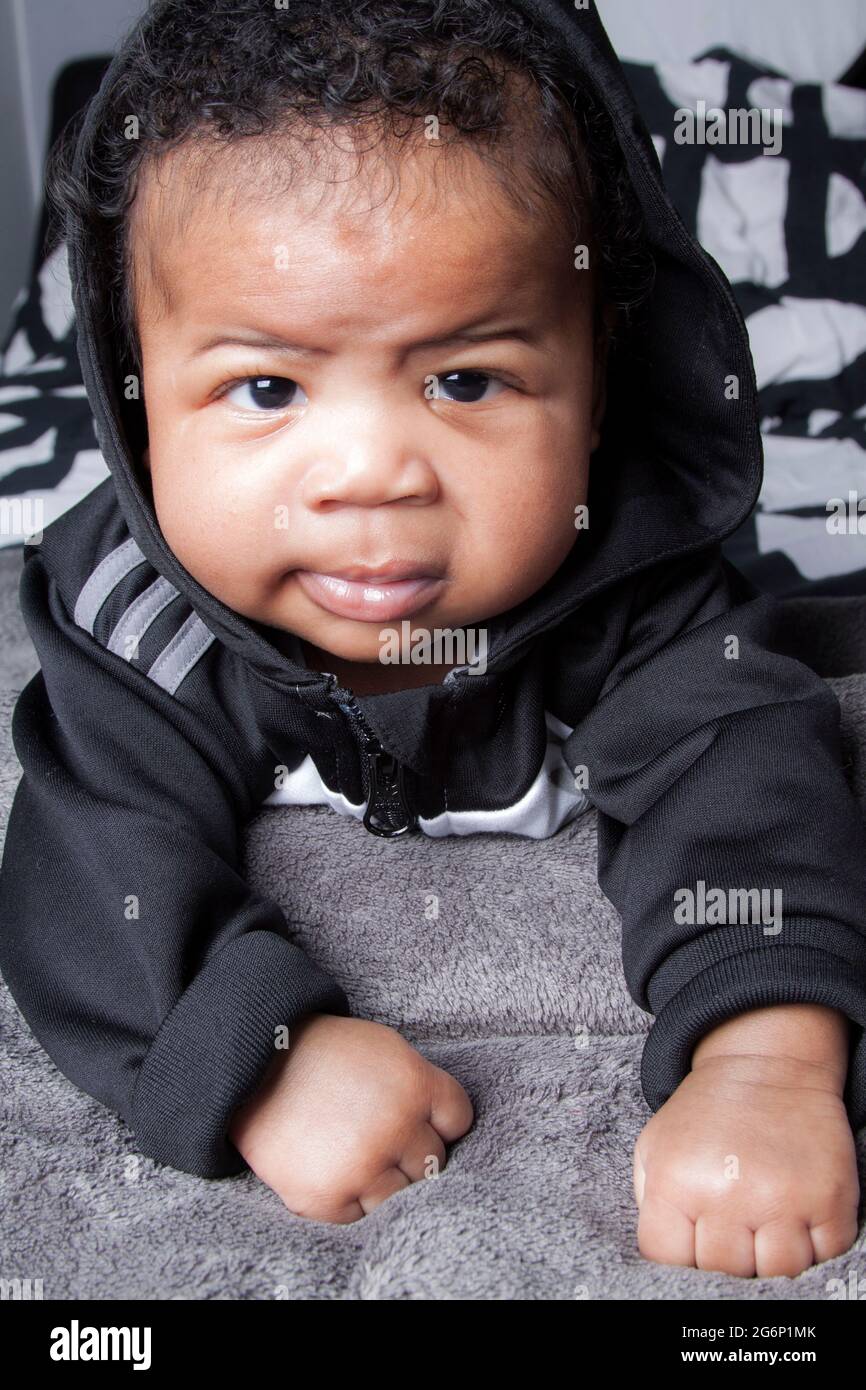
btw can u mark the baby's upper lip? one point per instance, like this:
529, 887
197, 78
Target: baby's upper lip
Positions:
394, 570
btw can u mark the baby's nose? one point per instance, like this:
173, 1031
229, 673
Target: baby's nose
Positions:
369, 473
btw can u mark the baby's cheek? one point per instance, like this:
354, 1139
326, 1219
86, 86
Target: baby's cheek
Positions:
211, 541
541, 525
510, 563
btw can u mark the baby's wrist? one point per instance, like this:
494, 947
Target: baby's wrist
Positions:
795, 1035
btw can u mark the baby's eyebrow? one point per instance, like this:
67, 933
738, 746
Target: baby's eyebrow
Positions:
522, 332
468, 333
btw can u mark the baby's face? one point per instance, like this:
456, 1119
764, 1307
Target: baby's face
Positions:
339, 386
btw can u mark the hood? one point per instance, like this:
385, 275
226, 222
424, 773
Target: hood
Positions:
679, 466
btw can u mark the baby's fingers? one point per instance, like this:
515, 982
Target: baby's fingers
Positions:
726, 1245
423, 1155
391, 1181
783, 1246
451, 1112
835, 1237
664, 1233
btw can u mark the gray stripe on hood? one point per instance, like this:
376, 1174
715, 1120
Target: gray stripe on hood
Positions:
104, 580
181, 654
139, 615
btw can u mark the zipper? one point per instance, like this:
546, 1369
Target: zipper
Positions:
388, 811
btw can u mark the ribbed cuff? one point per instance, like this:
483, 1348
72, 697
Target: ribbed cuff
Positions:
215, 1046
776, 974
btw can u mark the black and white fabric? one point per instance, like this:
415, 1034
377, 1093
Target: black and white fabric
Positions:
789, 231
49, 457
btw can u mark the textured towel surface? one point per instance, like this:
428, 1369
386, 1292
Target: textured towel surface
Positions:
499, 959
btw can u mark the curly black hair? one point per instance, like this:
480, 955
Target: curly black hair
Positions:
225, 70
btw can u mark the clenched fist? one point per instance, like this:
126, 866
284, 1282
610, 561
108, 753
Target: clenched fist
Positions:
748, 1168
349, 1114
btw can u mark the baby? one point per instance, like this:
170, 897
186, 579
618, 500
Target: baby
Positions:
402, 355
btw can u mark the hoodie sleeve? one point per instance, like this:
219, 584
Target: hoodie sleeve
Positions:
145, 966
715, 762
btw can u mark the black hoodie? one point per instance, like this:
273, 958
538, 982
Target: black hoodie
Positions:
161, 720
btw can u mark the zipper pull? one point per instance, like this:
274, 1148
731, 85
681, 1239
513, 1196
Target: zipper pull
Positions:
388, 812
387, 798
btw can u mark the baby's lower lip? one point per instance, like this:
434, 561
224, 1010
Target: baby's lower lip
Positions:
366, 600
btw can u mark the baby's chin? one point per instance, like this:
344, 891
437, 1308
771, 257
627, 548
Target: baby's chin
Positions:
367, 649
363, 661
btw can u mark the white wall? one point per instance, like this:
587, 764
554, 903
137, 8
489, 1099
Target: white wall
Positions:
52, 33
810, 42
37, 37
16, 204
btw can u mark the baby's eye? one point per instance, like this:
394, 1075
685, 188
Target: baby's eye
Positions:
466, 393
266, 392
279, 392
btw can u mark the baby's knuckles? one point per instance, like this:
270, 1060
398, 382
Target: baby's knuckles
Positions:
336, 1115
328, 1183
727, 1164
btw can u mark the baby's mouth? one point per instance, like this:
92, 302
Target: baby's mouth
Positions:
371, 599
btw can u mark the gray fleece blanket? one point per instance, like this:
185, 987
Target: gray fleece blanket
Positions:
515, 986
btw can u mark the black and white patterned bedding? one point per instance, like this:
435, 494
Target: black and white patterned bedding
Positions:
49, 457
788, 230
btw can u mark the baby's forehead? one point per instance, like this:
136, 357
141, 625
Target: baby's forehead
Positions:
236, 205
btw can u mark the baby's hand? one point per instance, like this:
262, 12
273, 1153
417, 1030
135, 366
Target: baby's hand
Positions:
349, 1114
748, 1168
